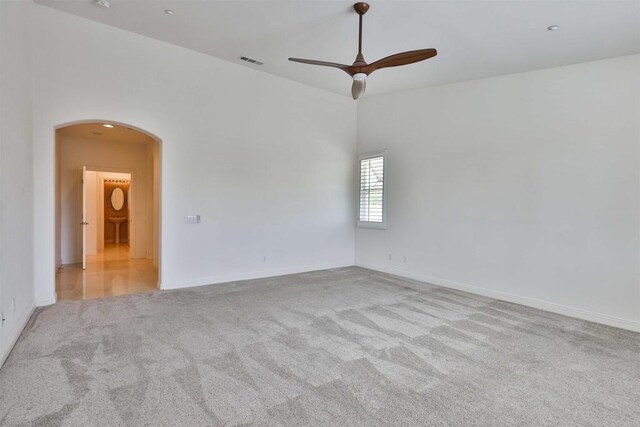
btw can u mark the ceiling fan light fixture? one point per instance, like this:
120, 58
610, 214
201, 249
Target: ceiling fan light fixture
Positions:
359, 85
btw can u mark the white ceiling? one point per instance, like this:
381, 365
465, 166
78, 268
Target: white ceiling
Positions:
475, 39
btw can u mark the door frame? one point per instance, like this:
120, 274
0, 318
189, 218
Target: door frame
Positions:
132, 207
84, 222
53, 186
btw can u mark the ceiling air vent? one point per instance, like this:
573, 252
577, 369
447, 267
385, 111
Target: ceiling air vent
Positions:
251, 60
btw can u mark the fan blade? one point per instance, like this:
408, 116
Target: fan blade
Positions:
403, 58
343, 67
359, 85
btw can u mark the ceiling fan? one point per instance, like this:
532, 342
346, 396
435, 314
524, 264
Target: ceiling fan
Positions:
359, 70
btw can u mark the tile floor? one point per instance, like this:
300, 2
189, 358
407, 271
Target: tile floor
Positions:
108, 273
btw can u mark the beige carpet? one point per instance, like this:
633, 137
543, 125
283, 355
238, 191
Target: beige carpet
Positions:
338, 347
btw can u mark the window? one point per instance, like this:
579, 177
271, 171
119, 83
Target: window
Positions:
372, 201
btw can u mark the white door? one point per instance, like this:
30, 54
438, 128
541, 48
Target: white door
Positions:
84, 222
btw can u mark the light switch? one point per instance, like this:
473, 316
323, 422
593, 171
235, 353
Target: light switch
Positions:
192, 219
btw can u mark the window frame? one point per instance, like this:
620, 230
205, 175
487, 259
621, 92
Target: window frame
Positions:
369, 224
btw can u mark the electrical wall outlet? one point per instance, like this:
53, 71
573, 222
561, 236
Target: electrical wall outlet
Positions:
389, 256
264, 258
192, 219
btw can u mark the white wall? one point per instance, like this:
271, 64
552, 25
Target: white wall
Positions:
99, 155
153, 200
525, 187
267, 163
16, 173
153, 203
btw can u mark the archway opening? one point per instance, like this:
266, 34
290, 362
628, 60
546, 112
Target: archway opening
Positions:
107, 210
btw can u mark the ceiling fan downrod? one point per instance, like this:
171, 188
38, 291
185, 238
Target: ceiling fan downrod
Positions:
360, 8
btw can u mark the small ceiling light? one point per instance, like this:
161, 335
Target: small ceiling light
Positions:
103, 3
553, 28
168, 12
107, 125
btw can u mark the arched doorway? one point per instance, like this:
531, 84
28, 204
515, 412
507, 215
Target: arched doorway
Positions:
107, 210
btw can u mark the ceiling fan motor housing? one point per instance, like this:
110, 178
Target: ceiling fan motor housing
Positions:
361, 8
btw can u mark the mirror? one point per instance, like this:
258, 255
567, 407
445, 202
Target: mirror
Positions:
117, 199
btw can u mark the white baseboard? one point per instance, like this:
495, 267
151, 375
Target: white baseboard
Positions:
45, 301
552, 307
22, 322
253, 275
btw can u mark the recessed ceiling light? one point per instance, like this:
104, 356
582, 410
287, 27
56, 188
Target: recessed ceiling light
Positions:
107, 125
103, 3
553, 28
168, 12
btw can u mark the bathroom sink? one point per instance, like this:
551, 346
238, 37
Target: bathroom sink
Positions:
117, 220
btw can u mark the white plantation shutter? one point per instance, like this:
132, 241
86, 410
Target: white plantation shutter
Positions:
371, 211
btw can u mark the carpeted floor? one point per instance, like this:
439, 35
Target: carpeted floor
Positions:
338, 347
